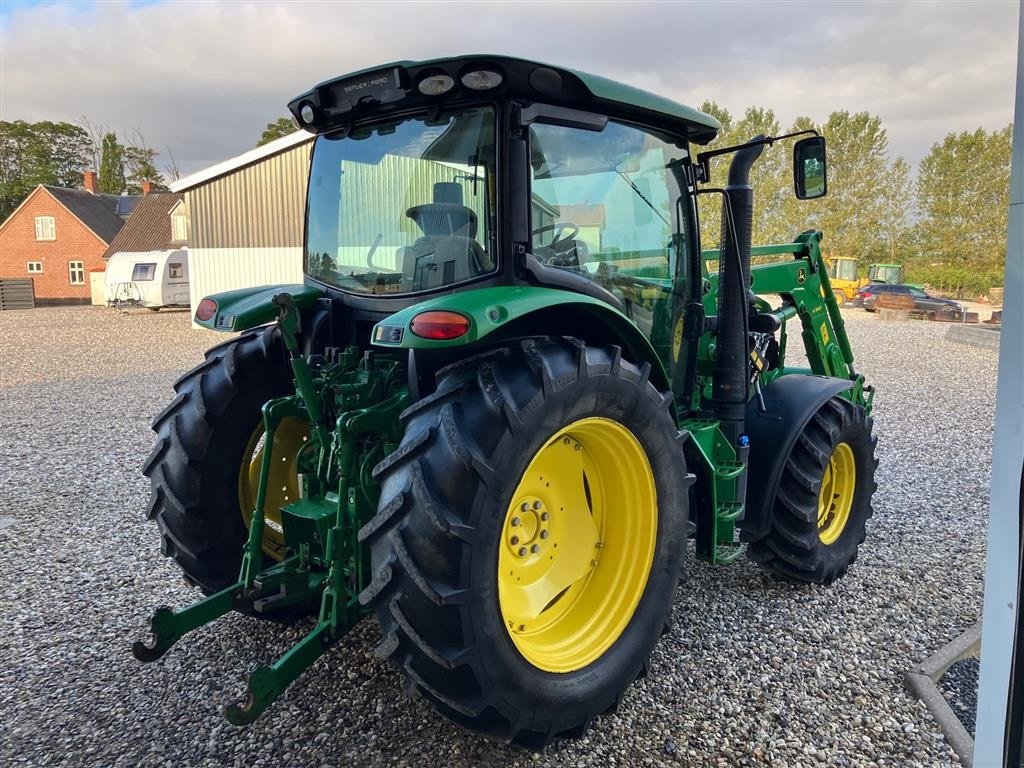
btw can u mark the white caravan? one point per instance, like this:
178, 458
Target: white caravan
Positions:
151, 279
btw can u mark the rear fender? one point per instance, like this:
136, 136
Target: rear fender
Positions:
250, 307
790, 402
511, 311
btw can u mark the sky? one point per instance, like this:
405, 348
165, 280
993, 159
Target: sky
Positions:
204, 78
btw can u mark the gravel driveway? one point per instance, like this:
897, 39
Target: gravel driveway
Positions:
754, 672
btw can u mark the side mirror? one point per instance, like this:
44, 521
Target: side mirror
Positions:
810, 176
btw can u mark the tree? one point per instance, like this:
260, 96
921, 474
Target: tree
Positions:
858, 174
172, 166
39, 153
140, 165
963, 187
768, 177
896, 204
95, 132
112, 180
277, 129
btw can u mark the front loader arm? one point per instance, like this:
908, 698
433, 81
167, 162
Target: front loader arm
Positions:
806, 293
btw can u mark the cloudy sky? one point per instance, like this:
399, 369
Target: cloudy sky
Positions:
204, 78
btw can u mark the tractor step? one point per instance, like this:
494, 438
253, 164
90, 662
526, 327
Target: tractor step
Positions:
727, 553
729, 470
729, 511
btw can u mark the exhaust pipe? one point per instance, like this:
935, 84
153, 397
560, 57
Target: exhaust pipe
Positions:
729, 382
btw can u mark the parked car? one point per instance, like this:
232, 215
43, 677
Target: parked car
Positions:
923, 302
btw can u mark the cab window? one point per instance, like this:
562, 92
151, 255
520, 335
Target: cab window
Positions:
603, 203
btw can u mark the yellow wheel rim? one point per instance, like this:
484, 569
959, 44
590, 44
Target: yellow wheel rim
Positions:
282, 484
577, 545
835, 499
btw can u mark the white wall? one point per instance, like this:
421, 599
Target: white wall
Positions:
213, 270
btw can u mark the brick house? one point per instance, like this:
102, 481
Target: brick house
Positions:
57, 236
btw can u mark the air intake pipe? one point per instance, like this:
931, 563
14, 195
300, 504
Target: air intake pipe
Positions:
730, 379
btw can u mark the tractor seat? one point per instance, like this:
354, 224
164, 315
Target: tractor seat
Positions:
444, 219
447, 252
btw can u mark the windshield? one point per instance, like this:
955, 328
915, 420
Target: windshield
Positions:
845, 269
886, 273
404, 206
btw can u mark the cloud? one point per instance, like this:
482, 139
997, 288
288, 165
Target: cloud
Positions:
205, 78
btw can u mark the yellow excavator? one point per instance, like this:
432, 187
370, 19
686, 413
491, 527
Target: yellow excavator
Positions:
843, 275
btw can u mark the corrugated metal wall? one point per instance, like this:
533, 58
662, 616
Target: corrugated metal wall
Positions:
259, 206
245, 228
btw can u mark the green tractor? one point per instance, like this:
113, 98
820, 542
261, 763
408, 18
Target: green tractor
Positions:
885, 273
509, 391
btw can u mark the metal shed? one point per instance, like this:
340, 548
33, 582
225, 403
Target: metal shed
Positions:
245, 218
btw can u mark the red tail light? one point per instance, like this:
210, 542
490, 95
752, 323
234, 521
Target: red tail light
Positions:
440, 325
207, 308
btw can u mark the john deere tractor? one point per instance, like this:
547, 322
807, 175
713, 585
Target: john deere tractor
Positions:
510, 389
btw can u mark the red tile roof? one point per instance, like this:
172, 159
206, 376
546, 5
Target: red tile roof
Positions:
149, 228
582, 215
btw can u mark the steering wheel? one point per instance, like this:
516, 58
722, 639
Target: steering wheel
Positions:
562, 249
558, 229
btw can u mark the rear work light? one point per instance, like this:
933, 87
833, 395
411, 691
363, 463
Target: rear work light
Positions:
207, 308
482, 79
435, 85
439, 325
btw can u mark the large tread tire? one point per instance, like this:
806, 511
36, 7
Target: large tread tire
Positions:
194, 465
434, 540
792, 549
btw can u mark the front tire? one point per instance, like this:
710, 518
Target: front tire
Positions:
840, 298
823, 501
475, 502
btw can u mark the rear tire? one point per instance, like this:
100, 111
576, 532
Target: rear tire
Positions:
439, 532
805, 544
840, 298
194, 466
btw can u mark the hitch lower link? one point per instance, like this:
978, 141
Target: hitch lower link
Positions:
301, 577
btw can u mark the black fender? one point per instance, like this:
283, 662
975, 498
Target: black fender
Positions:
790, 402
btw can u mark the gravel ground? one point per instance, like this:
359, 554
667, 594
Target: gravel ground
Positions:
960, 687
754, 672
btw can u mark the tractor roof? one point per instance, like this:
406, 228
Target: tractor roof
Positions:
521, 79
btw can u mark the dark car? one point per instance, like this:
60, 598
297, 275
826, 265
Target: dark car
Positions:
923, 302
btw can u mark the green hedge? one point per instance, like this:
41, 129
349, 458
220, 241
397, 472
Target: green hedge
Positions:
962, 282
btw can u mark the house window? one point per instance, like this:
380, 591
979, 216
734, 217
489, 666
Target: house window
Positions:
46, 228
179, 228
175, 269
76, 271
143, 272
35, 267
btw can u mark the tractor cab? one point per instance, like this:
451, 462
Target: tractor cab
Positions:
479, 172
885, 273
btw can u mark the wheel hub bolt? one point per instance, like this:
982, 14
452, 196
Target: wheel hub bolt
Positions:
522, 551
535, 548
543, 534
524, 506
516, 521
515, 540
543, 515
536, 505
